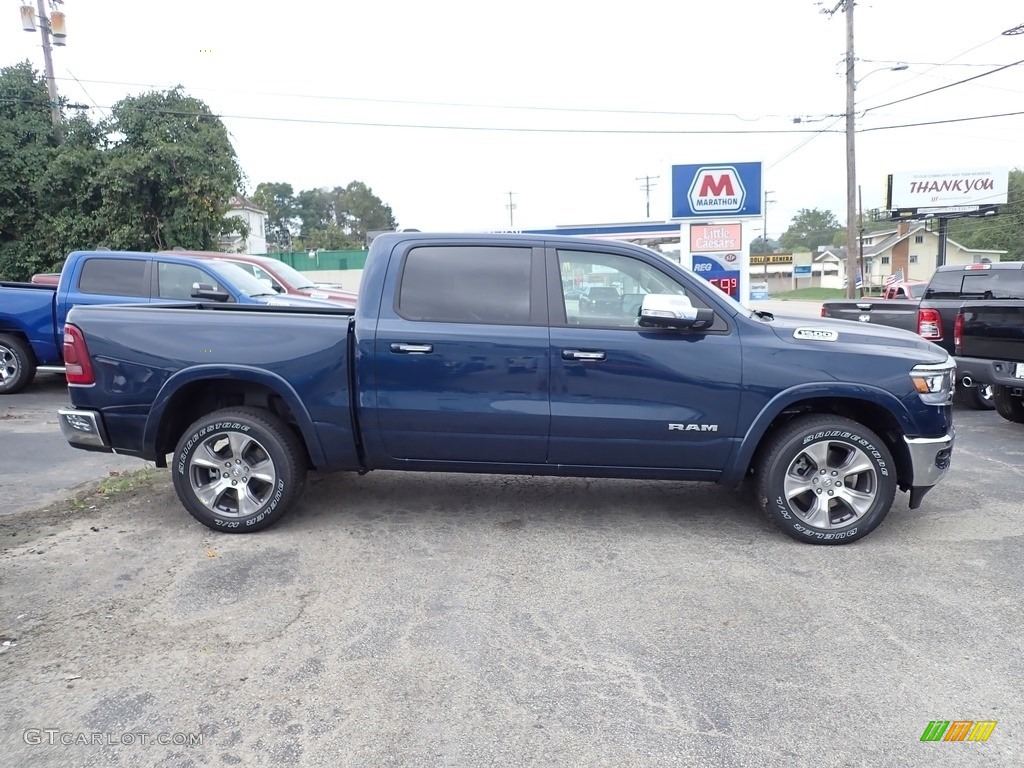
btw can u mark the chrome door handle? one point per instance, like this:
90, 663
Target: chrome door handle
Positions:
413, 349
578, 354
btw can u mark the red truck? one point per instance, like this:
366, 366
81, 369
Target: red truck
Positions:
278, 276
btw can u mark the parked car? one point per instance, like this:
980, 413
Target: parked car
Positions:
32, 315
934, 315
828, 419
600, 300
278, 276
989, 339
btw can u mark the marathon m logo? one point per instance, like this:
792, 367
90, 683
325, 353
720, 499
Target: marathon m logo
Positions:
717, 189
692, 427
958, 730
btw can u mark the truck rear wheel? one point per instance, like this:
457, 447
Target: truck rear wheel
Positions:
237, 470
1009, 407
825, 479
978, 397
17, 364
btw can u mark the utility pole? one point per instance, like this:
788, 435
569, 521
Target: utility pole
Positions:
646, 187
48, 27
860, 244
511, 207
851, 154
764, 230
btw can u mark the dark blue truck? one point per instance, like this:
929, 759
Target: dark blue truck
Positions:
32, 316
464, 355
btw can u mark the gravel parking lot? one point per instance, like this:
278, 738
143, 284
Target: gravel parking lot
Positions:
407, 619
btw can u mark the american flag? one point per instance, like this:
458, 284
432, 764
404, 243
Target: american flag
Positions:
858, 284
896, 278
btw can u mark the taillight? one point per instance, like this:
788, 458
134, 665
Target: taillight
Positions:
77, 365
823, 311
929, 324
958, 332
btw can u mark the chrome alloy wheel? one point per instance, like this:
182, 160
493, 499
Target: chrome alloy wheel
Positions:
10, 366
232, 474
831, 484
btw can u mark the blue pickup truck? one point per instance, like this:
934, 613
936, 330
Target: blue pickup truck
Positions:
32, 316
464, 355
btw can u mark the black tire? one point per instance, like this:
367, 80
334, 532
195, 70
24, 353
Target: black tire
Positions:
1009, 407
242, 439
17, 364
978, 397
805, 461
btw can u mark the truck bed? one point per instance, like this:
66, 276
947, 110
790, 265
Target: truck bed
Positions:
896, 313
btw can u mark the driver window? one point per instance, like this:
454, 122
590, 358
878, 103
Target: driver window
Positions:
175, 281
607, 289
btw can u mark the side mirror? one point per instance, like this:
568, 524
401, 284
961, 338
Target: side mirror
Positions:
661, 310
209, 292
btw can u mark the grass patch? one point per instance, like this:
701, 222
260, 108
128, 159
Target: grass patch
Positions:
810, 294
121, 482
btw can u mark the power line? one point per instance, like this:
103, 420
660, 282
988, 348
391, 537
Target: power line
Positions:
413, 102
942, 122
448, 127
807, 141
943, 87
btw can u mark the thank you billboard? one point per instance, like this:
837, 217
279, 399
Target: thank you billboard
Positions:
716, 190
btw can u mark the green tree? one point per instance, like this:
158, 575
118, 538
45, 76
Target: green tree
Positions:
170, 171
27, 147
339, 218
359, 211
1004, 231
760, 245
278, 200
809, 229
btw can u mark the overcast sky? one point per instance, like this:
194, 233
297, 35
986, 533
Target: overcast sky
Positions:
292, 79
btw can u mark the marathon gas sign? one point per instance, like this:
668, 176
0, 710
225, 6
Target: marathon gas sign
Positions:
721, 189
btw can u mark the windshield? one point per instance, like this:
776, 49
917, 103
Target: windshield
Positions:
242, 281
289, 275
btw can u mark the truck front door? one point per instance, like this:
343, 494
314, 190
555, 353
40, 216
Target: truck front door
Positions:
626, 396
461, 355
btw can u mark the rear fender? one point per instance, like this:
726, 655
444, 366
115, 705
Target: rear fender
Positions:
271, 381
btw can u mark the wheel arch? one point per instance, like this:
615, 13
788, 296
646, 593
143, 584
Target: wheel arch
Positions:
876, 409
192, 393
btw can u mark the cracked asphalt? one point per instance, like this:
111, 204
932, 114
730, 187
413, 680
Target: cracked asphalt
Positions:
448, 620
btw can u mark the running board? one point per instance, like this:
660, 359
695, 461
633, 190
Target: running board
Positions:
50, 369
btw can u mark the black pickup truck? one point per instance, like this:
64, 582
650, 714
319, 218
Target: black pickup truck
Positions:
989, 338
933, 316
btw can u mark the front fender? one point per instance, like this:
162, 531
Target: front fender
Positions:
272, 381
736, 470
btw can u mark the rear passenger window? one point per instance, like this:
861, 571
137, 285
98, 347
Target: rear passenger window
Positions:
466, 284
114, 277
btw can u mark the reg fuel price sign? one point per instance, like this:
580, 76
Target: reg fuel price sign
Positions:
722, 270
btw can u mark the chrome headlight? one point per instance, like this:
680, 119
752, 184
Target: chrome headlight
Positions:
934, 382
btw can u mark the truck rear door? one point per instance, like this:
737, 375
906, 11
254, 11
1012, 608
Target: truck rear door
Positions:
461, 354
626, 396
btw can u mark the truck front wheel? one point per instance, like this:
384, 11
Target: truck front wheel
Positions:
825, 479
1009, 407
17, 364
237, 470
